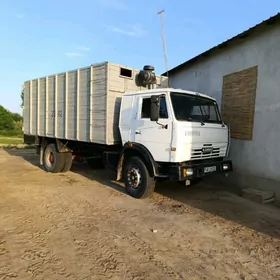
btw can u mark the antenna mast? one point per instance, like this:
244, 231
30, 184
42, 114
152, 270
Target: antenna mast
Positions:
160, 13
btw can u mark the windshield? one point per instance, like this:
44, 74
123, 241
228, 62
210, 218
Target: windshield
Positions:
194, 108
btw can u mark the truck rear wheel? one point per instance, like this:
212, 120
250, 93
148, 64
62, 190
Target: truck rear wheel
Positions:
53, 161
138, 182
67, 157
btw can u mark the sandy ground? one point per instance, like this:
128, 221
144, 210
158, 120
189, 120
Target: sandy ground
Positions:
81, 225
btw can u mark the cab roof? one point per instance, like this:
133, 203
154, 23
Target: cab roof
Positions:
164, 90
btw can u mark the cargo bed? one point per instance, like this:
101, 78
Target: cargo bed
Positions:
80, 105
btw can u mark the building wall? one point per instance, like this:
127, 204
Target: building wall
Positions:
261, 155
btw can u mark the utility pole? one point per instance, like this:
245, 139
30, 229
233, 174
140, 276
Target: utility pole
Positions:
160, 13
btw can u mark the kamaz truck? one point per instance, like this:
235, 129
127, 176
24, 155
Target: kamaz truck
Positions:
126, 119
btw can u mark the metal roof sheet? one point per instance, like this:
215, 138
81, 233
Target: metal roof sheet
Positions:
253, 30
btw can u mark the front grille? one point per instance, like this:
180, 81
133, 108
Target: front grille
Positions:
204, 152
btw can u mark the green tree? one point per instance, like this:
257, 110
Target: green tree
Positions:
16, 117
6, 120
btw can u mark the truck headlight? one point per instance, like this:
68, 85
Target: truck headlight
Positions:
188, 172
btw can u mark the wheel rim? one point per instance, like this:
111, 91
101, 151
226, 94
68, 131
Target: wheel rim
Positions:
49, 158
134, 177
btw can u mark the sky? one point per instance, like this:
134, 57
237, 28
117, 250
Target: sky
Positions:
40, 38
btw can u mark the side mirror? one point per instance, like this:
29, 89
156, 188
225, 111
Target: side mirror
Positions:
154, 108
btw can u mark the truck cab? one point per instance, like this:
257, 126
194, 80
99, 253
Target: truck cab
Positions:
181, 132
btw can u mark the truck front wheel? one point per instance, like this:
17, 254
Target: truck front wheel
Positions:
53, 161
138, 182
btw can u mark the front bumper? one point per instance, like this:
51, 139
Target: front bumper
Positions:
193, 171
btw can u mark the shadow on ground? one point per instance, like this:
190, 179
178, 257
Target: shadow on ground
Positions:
218, 200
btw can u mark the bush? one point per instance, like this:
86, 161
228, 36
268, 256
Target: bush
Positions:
10, 123
11, 133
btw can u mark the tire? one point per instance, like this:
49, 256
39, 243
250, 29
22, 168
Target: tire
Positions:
67, 162
95, 163
142, 186
53, 161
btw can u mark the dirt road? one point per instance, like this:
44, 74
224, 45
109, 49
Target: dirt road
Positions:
81, 225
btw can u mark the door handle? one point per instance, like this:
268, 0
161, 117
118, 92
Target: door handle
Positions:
137, 132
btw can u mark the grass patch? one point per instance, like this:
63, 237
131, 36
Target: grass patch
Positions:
11, 141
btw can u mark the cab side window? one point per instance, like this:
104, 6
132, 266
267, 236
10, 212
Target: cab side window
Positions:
145, 113
146, 106
163, 114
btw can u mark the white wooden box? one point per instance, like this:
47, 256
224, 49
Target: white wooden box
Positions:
82, 104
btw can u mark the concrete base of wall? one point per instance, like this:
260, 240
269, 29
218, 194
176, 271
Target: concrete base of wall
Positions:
237, 180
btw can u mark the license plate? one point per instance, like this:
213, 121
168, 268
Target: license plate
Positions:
209, 169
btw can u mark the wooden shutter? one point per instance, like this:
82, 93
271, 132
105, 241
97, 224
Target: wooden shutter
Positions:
238, 102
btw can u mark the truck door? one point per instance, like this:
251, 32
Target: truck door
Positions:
150, 134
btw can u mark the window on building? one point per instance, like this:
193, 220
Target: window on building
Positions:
146, 106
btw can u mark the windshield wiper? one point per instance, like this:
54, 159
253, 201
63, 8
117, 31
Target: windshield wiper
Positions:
191, 119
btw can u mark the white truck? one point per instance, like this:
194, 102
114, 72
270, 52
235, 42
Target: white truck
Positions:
126, 119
